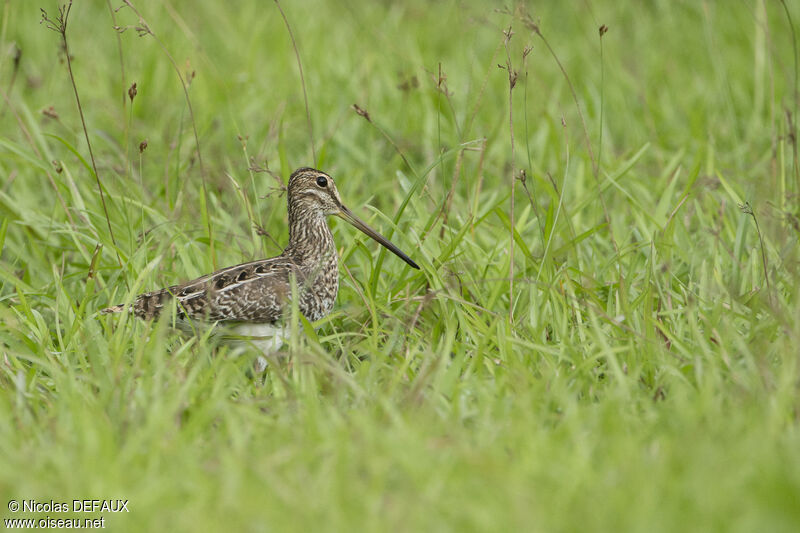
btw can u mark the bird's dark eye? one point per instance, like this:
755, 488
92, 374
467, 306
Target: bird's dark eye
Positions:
322, 182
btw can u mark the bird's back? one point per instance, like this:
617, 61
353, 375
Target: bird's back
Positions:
250, 292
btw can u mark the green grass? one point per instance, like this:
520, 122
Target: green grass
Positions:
640, 374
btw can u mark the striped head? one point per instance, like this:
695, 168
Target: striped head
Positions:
313, 193
313, 190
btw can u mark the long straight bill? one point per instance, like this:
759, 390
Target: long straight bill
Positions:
360, 224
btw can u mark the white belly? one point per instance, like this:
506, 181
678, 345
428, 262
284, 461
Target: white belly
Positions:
264, 337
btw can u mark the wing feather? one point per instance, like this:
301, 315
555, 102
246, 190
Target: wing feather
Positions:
250, 292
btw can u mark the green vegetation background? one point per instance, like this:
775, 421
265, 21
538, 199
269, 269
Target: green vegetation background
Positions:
639, 374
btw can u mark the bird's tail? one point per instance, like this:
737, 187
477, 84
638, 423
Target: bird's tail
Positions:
146, 306
113, 309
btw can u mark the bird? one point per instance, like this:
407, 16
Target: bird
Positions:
254, 298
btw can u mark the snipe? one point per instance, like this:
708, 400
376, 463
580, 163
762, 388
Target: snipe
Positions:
254, 296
